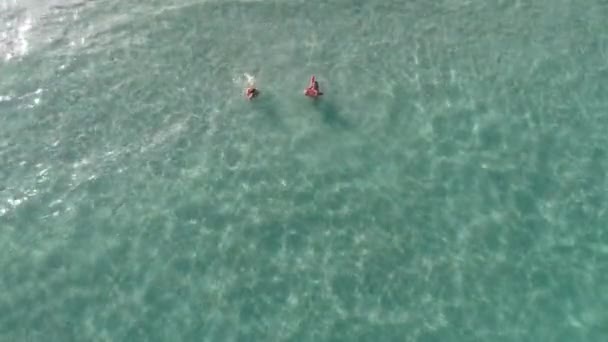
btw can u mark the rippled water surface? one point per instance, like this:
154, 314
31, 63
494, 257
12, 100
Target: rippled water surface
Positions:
449, 186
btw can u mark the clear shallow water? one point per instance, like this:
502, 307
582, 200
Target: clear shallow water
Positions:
449, 187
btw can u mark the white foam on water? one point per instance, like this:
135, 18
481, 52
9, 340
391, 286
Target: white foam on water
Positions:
17, 196
16, 201
14, 39
250, 78
244, 80
6, 4
32, 24
31, 99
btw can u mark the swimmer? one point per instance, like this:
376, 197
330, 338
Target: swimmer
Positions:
251, 92
313, 88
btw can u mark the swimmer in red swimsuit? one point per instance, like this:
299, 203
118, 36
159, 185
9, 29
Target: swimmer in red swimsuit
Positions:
251, 92
313, 88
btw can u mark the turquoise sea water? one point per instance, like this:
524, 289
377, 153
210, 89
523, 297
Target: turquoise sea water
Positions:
450, 186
